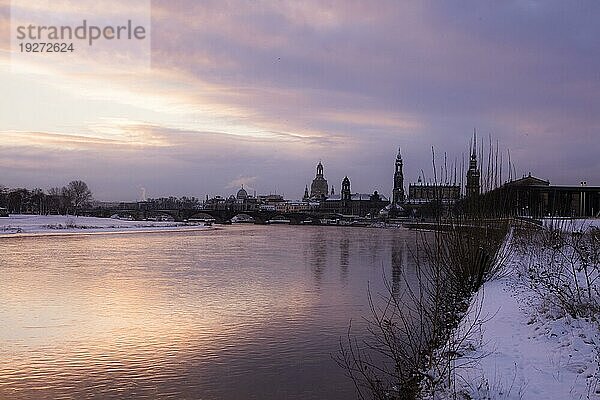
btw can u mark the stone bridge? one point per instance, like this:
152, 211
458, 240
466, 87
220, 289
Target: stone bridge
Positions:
217, 216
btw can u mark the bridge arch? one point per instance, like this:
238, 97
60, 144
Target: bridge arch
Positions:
161, 215
204, 217
124, 215
243, 217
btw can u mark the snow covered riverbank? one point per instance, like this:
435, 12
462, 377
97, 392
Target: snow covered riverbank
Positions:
525, 341
69, 224
522, 353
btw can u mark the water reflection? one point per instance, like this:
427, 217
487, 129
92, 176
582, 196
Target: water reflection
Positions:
318, 251
399, 263
245, 312
344, 259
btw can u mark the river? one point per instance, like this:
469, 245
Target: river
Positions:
239, 312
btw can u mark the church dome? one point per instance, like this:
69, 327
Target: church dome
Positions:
242, 194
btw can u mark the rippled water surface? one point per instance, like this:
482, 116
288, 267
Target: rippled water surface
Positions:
242, 312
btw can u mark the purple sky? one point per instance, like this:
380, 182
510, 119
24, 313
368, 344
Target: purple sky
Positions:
258, 92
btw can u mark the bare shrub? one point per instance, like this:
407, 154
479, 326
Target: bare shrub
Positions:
412, 340
565, 268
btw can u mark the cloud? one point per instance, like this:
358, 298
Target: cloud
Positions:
266, 89
240, 181
108, 137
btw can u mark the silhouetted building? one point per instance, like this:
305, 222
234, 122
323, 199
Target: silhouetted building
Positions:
535, 197
242, 194
319, 187
242, 201
472, 188
398, 191
420, 193
358, 204
346, 194
306, 196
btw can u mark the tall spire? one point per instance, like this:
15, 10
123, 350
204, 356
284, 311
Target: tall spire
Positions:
473, 174
398, 191
474, 150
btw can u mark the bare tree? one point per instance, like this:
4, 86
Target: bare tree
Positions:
56, 200
3, 195
413, 340
78, 194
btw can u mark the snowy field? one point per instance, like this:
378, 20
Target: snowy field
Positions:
522, 346
69, 224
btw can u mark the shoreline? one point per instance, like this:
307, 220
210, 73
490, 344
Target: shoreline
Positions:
90, 232
23, 225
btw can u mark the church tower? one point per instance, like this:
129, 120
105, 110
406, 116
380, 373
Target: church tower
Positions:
346, 194
473, 188
319, 187
398, 192
305, 198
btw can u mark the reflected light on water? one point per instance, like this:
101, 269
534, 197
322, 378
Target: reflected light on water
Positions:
245, 312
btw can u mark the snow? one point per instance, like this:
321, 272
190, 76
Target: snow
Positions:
524, 348
571, 225
69, 224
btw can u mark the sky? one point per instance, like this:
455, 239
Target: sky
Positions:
258, 92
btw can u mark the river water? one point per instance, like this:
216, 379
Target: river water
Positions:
240, 312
